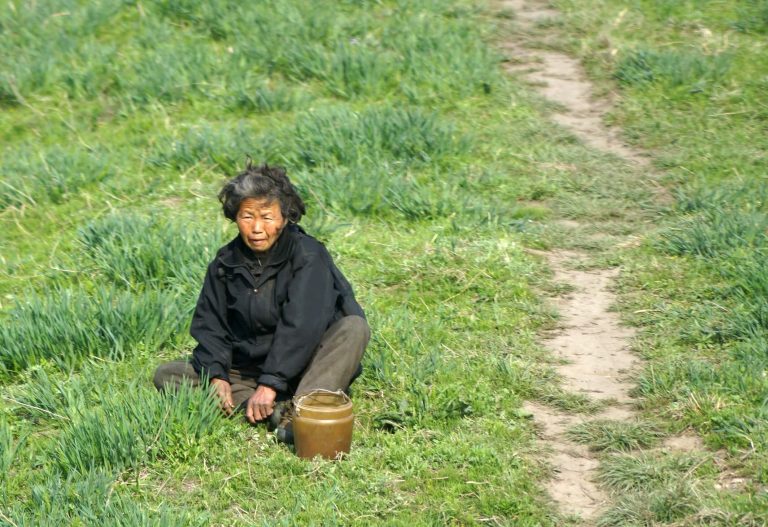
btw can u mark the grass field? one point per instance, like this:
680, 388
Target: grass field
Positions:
427, 172
120, 122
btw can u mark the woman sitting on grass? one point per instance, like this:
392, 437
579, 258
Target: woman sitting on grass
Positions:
275, 317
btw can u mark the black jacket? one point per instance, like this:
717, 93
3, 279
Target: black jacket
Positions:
269, 325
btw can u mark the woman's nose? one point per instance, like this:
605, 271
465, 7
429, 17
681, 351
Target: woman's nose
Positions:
257, 226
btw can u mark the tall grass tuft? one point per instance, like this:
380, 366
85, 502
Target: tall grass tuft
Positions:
212, 50
612, 436
36, 43
139, 252
443, 56
61, 396
33, 175
690, 70
134, 426
747, 194
339, 136
260, 96
727, 228
225, 148
753, 17
645, 471
385, 190
664, 505
90, 499
715, 233
425, 50
335, 136
746, 270
212, 17
9, 448
66, 326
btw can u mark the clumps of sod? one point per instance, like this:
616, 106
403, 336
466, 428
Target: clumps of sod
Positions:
152, 270
661, 506
135, 426
660, 487
9, 448
137, 252
605, 435
408, 135
66, 326
673, 69
644, 471
35, 175
91, 499
102, 434
332, 136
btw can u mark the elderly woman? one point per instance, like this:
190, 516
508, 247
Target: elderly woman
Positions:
275, 317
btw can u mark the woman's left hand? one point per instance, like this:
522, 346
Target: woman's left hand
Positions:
261, 404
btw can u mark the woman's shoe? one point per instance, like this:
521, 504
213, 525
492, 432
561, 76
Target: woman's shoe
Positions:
281, 421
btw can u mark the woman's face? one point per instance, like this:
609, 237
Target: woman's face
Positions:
260, 223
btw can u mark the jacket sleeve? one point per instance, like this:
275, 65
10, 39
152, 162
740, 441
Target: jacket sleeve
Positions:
305, 315
212, 357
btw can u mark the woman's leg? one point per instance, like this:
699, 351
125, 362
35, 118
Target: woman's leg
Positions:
171, 375
337, 357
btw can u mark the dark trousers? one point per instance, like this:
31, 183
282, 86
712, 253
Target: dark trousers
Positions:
333, 365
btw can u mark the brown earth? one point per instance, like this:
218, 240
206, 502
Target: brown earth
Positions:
595, 348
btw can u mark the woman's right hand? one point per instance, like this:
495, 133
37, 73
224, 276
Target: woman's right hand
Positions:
224, 393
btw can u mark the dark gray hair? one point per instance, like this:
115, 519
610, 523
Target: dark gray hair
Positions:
262, 182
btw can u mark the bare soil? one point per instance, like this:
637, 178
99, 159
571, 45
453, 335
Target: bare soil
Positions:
597, 360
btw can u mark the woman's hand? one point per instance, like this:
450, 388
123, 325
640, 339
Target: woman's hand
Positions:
224, 392
261, 404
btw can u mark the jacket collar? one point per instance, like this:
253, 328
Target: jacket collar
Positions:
234, 253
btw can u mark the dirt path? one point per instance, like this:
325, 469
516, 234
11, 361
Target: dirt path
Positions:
591, 340
596, 350
561, 79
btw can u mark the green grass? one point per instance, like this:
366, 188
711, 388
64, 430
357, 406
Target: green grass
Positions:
226, 53
663, 505
69, 325
128, 429
9, 447
649, 470
91, 500
36, 176
138, 252
612, 436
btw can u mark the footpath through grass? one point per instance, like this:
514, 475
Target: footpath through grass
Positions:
426, 171
693, 90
